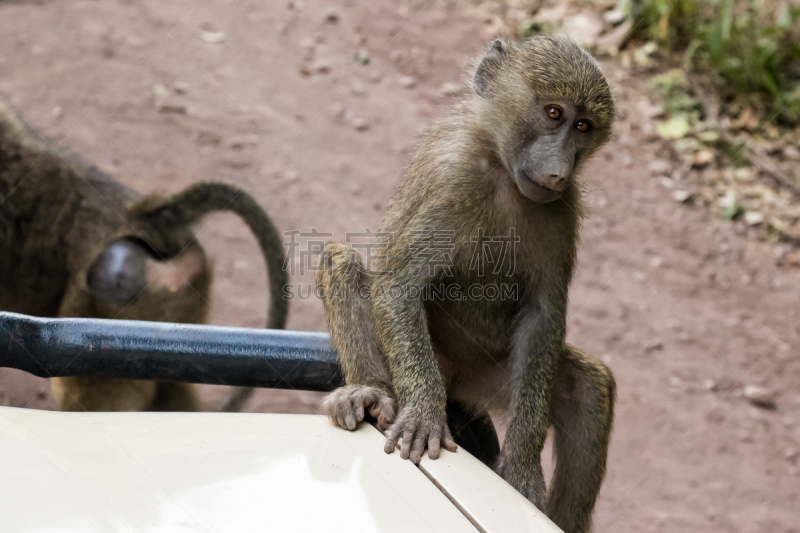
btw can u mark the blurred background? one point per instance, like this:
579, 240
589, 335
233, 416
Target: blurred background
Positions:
689, 272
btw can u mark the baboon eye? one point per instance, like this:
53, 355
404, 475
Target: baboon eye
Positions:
583, 126
554, 112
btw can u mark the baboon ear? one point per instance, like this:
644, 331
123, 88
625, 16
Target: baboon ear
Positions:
489, 66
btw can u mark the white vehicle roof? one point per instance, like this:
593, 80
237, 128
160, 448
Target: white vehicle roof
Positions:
215, 472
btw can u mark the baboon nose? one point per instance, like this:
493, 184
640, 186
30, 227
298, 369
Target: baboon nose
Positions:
557, 182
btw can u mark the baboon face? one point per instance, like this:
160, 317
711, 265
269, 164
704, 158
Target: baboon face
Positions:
558, 136
547, 109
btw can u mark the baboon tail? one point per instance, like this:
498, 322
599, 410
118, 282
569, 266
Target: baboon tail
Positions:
190, 205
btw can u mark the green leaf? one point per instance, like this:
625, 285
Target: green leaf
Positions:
674, 128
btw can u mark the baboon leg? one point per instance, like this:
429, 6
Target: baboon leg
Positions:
345, 290
474, 432
88, 393
582, 412
175, 397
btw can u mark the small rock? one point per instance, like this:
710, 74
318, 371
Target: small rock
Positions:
212, 37
759, 396
408, 82
658, 167
753, 218
237, 164
728, 200
209, 138
702, 158
615, 16
360, 124
681, 195
57, 112
710, 385
358, 89
362, 57
744, 174
243, 141
709, 136
160, 91
666, 182
332, 17
653, 345
176, 109
449, 88
337, 110
656, 262
322, 66
747, 120
180, 87
641, 56
675, 381
791, 153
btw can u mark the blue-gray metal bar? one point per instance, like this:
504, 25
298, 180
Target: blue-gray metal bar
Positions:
127, 349
49, 347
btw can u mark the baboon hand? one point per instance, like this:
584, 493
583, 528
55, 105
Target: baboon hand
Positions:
417, 433
345, 406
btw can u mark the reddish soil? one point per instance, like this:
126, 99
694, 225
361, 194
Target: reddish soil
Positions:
672, 298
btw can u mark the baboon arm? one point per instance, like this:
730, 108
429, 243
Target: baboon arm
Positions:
537, 343
402, 330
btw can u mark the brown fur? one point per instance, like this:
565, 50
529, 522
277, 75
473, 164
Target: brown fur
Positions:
59, 216
486, 354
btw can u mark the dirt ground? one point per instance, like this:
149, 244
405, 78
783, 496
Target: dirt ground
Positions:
684, 308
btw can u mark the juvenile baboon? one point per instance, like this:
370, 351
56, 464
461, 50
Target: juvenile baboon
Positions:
500, 172
75, 243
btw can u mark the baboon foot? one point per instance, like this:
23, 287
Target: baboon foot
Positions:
347, 406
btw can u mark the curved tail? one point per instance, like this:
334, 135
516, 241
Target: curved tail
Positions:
190, 205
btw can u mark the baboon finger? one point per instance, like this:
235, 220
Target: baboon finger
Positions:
417, 448
434, 445
387, 409
449, 444
359, 411
405, 447
391, 439
370, 399
350, 420
383, 423
375, 410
